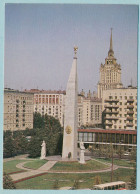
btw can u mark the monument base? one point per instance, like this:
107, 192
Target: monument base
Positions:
42, 158
82, 157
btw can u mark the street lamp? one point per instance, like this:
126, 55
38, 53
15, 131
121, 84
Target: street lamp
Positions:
112, 163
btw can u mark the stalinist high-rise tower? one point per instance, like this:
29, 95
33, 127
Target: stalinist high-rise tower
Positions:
110, 72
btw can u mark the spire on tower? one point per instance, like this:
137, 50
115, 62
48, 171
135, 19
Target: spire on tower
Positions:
111, 52
111, 46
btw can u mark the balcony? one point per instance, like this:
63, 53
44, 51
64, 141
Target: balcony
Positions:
17, 101
111, 118
130, 112
130, 100
111, 112
109, 124
130, 118
111, 100
129, 124
111, 106
130, 106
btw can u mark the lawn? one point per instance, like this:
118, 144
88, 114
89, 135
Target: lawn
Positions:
118, 162
10, 166
35, 164
85, 180
75, 166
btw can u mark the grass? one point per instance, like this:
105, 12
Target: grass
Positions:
35, 164
86, 180
118, 162
10, 166
75, 166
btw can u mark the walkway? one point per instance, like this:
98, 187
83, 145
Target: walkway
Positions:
48, 165
30, 172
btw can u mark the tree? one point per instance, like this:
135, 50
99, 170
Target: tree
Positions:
38, 121
133, 177
35, 147
7, 182
51, 133
15, 143
8, 147
120, 151
20, 142
97, 180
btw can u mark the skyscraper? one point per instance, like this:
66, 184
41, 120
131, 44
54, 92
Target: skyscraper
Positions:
110, 72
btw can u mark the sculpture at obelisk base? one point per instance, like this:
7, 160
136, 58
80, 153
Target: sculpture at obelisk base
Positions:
70, 119
43, 150
82, 151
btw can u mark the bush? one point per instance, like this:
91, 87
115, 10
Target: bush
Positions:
7, 182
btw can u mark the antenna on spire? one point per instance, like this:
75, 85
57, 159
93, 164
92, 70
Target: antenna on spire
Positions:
111, 45
131, 81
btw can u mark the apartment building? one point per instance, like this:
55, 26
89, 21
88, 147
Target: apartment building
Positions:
120, 108
18, 110
89, 110
49, 102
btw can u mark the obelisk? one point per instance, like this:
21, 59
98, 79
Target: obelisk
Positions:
70, 119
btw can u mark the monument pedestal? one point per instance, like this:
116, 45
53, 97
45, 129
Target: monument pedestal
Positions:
82, 157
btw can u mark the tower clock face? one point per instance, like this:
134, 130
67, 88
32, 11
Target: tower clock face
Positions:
68, 129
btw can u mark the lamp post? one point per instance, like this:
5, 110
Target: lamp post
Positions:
112, 163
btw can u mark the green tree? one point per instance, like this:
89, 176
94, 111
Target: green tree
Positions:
120, 151
7, 182
51, 133
133, 177
8, 146
20, 142
97, 180
35, 146
38, 121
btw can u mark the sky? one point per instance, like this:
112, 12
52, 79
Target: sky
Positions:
39, 41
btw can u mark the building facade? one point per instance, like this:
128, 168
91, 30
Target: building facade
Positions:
110, 73
53, 103
50, 102
18, 110
101, 136
89, 110
120, 108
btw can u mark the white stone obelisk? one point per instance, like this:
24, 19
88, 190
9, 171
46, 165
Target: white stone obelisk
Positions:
70, 119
